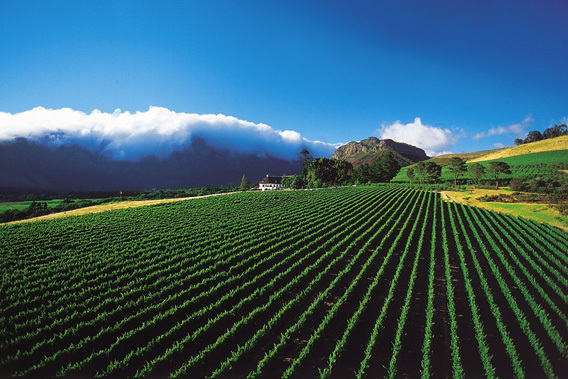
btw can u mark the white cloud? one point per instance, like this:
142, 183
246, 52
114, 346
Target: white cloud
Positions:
519, 129
157, 131
434, 141
498, 145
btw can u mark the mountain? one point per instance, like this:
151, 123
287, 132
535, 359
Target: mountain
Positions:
29, 165
370, 149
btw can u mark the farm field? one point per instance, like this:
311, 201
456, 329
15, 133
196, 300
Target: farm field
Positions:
533, 211
368, 281
105, 207
20, 205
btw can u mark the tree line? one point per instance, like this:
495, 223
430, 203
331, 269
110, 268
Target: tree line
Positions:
535, 135
430, 172
324, 172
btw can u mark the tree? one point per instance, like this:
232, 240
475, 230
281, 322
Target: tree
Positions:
37, 208
477, 170
497, 168
560, 130
344, 170
457, 167
518, 141
362, 174
293, 182
555, 131
428, 172
386, 168
305, 159
245, 184
533, 136
324, 171
381, 171
320, 171
410, 174
517, 185
548, 133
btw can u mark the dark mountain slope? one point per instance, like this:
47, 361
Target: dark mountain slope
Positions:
29, 165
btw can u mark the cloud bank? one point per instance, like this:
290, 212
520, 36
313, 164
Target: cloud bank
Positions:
157, 131
434, 141
518, 130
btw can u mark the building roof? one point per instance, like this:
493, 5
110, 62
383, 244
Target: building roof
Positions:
271, 180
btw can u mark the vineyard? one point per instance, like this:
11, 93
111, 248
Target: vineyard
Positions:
374, 281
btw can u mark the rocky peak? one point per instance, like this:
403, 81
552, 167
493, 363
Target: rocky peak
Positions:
358, 152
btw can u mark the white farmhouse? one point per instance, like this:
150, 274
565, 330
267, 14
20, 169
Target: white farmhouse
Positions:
270, 183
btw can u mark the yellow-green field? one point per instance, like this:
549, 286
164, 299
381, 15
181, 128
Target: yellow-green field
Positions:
109, 207
552, 144
538, 212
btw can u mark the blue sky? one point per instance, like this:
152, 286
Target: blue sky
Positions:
444, 75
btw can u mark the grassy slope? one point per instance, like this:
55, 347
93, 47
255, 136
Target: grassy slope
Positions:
109, 207
536, 212
549, 151
553, 144
444, 160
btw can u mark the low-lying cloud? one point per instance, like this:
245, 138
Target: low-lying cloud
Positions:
518, 130
157, 131
434, 141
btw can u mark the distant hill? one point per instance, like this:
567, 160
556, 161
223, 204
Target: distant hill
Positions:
370, 149
551, 144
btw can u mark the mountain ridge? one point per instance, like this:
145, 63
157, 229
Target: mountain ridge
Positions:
29, 165
370, 149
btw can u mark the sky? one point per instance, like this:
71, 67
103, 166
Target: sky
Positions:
146, 76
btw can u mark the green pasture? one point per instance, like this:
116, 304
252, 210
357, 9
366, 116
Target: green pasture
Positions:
544, 165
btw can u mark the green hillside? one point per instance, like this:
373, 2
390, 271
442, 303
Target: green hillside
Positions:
544, 165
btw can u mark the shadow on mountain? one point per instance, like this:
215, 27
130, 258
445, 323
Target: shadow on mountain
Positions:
30, 165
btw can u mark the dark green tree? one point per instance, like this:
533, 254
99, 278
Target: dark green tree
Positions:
555, 131
497, 168
548, 133
386, 168
296, 182
428, 172
381, 171
533, 136
410, 174
245, 184
305, 159
324, 171
344, 171
457, 167
320, 171
517, 185
293, 182
362, 174
37, 208
477, 171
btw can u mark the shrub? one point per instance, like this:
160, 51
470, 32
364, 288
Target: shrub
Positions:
517, 185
